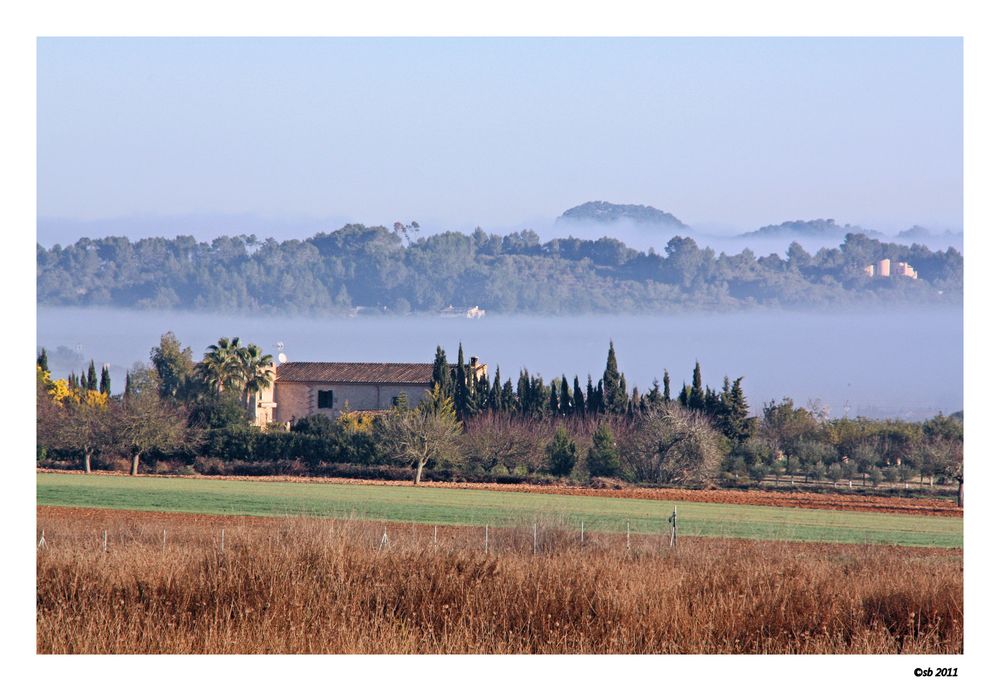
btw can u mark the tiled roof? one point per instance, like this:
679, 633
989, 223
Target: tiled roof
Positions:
357, 372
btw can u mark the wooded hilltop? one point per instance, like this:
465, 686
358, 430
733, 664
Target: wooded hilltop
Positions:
395, 270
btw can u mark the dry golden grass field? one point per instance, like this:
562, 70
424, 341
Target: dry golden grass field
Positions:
167, 583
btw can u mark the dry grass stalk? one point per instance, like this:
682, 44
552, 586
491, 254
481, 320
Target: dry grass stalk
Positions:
310, 586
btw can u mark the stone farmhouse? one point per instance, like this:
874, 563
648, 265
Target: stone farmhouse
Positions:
301, 389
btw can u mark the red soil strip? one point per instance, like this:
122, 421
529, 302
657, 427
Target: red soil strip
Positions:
803, 500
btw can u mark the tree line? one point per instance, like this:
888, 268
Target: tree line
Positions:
182, 415
396, 271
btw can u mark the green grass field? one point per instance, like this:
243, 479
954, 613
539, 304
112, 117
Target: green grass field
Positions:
477, 507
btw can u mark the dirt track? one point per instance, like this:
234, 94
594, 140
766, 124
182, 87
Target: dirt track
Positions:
805, 500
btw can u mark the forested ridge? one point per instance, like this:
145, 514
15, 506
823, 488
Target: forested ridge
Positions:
394, 270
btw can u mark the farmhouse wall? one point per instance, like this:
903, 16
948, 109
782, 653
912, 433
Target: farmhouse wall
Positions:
296, 400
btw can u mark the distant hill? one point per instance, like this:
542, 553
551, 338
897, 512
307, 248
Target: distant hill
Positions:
607, 213
917, 233
820, 228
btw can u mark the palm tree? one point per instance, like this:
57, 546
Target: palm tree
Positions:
222, 366
256, 371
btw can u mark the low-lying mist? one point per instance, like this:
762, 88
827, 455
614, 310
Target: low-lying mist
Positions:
881, 363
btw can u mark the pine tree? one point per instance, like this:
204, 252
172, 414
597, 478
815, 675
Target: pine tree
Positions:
561, 453
666, 386
603, 459
43, 361
736, 426
696, 395
565, 397
683, 397
105, 386
91, 377
579, 402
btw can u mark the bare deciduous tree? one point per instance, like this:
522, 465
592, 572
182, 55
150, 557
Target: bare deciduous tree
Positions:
418, 436
670, 444
143, 423
502, 439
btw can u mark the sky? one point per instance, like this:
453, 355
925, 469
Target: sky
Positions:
154, 135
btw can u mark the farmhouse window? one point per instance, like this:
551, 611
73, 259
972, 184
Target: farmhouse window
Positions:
325, 399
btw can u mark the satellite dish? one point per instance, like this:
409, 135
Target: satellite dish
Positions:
282, 358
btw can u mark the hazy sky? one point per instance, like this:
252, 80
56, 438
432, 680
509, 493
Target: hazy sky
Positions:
727, 133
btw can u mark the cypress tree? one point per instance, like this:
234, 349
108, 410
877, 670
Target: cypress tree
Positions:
508, 400
711, 402
91, 377
128, 385
493, 402
696, 395
554, 397
654, 397
592, 406
539, 392
43, 361
666, 386
461, 385
105, 386
579, 402
482, 392
635, 402
565, 398
524, 392
442, 373
683, 397
599, 395
615, 393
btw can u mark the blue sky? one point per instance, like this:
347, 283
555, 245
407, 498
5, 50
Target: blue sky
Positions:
727, 134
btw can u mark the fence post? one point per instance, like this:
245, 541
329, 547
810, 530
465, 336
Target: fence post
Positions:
435, 536
104, 540
673, 527
628, 536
